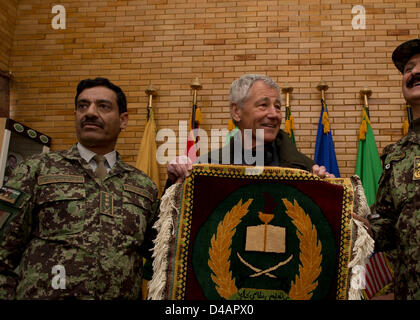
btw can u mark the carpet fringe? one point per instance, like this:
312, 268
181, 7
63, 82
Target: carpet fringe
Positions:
165, 231
363, 246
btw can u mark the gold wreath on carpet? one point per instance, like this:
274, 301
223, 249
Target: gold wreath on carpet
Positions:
219, 251
310, 256
310, 253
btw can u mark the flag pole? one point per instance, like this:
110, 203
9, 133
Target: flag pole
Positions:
151, 170
322, 86
366, 93
287, 89
195, 85
146, 157
151, 92
324, 145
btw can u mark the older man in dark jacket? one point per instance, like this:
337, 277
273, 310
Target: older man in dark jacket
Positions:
255, 107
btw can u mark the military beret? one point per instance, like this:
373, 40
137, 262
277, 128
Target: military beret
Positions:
404, 52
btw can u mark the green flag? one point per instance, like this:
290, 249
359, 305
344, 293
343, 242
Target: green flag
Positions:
368, 164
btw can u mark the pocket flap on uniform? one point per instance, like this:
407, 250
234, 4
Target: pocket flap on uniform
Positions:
60, 191
60, 178
139, 191
138, 197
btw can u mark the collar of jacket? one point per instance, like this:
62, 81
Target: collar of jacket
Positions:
416, 126
410, 138
288, 154
120, 166
413, 135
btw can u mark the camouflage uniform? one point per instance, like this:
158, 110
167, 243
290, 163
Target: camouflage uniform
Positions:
98, 230
395, 218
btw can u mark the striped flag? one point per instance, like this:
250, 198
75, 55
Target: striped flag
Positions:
378, 274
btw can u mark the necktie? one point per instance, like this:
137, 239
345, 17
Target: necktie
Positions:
100, 170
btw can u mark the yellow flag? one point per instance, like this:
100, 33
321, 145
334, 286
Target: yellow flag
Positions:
146, 158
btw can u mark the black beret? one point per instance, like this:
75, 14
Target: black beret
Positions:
404, 52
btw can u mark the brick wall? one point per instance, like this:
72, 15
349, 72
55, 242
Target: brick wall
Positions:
170, 42
7, 27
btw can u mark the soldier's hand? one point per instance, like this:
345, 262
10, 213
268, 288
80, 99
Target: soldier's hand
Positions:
366, 223
321, 172
179, 168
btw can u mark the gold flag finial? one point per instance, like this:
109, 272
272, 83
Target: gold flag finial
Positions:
365, 93
195, 84
151, 92
322, 86
287, 89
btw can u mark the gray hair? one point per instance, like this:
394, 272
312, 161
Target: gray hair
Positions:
239, 90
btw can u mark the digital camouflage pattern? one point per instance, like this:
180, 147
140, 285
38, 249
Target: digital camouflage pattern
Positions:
66, 216
395, 218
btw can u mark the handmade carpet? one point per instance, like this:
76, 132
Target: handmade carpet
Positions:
250, 233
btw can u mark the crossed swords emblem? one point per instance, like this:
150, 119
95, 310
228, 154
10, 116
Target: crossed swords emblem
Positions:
266, 272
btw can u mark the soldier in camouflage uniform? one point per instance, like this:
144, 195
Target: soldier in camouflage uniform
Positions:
72, 233
395, 219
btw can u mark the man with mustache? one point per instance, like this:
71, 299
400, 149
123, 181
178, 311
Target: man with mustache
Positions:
395, 218
82, 222
255, 103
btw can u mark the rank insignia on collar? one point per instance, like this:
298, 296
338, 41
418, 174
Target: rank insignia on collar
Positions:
416, 169
106, 205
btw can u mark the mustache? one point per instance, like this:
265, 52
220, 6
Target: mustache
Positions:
89, 121
415, 78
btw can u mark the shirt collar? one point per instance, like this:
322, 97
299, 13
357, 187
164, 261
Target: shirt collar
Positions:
87, 154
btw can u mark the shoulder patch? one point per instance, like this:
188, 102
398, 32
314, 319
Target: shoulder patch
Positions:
416, 174
139, 191
9, 195
57, 178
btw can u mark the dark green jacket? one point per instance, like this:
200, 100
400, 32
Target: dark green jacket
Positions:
288, 155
